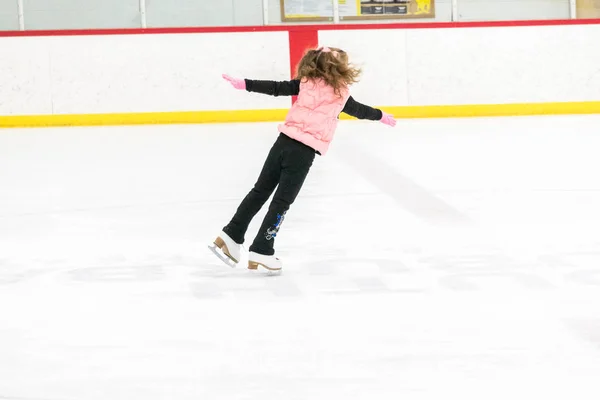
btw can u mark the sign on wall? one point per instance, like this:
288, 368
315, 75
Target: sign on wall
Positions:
322, 10
588, 8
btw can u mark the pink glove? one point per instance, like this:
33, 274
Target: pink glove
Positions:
388, 119
235, 82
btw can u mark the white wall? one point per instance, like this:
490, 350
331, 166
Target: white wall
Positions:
182, 72
98, 14
508, 10
176, 13
78, 14
93, 14
9, 16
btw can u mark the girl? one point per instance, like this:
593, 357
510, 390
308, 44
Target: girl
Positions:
323, 78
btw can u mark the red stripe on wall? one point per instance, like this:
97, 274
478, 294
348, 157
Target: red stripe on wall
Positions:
305, 28
300, 41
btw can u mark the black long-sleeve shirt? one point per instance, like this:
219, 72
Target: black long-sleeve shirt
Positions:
292, 88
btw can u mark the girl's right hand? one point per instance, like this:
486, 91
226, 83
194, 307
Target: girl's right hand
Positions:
239, 84
388, 119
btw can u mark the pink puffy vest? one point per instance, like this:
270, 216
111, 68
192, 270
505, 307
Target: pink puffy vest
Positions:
313, 118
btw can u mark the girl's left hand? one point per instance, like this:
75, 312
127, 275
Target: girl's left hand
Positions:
388, 119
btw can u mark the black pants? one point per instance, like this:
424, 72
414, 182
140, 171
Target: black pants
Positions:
287, 165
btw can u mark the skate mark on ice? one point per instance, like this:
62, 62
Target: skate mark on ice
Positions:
244, 285
587, 329
145, 273
590, 277
206, 290
3, 397
335, 265
410, 195
466, 281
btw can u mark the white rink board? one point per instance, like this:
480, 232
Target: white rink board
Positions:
25, 81
504, 65
457, 66
412, 67
139, 73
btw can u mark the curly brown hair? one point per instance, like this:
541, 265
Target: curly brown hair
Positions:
330, 64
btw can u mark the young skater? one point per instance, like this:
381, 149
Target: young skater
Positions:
323, 78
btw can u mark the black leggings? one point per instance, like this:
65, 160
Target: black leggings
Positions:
286, 165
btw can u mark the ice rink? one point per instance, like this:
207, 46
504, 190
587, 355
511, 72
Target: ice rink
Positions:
442, 259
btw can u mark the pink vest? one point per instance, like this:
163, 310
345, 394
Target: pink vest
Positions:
313, 118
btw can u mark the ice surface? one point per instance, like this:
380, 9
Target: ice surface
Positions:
443, 259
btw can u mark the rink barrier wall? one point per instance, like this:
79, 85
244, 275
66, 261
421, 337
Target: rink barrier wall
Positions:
426, 74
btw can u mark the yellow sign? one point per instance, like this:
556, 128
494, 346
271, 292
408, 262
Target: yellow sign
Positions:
322, 10
588, 8
390, 9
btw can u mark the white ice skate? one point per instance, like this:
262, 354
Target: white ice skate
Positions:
270, 263
226, 249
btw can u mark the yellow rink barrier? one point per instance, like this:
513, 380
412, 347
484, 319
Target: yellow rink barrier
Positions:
233, 116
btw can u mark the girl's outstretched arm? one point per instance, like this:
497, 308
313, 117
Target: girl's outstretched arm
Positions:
272, 88
361, 111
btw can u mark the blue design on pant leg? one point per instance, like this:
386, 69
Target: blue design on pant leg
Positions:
272, 232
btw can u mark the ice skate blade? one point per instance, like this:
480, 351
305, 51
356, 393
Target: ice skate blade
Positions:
223, 257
